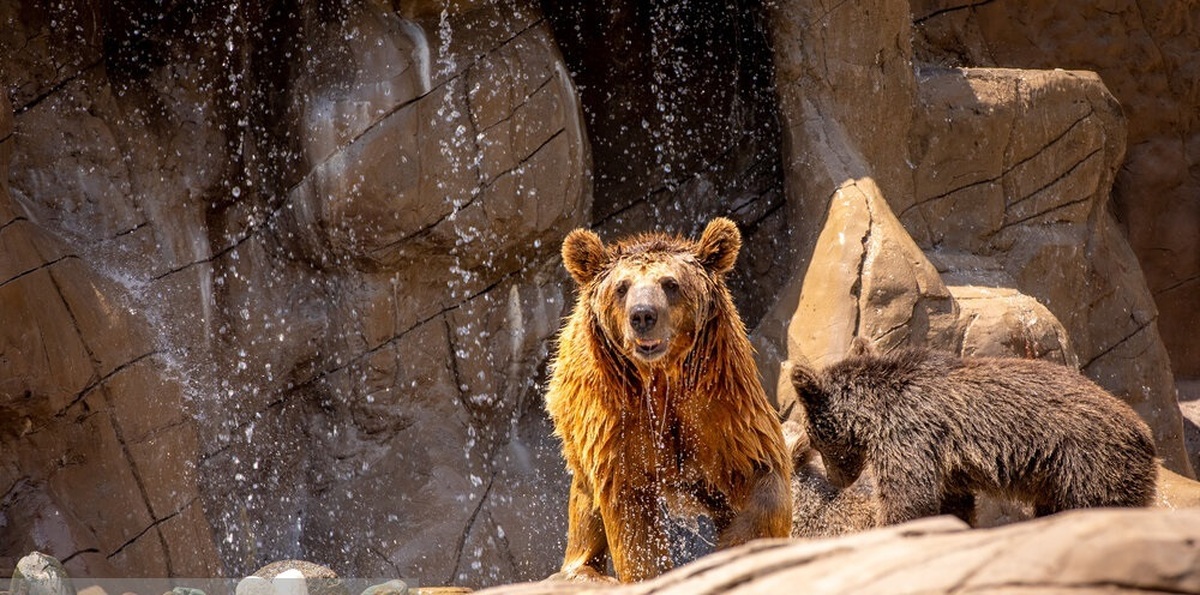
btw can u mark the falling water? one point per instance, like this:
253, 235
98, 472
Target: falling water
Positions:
350, 349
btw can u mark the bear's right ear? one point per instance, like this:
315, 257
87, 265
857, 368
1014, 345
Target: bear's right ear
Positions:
860, 346
718, 247
805, 381
584, 255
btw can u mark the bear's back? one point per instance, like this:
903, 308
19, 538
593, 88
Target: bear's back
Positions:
981, 408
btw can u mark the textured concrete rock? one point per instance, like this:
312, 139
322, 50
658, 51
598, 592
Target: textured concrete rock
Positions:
866, 278
1004, 180
1176, 491
98, 457
283, 287
1122, 551
1146, 53
998, 322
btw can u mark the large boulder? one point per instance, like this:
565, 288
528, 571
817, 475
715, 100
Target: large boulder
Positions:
1147, 55
1126, 551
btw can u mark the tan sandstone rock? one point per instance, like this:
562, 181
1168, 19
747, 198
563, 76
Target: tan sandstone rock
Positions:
1122, 551
1033, 208
1146, 53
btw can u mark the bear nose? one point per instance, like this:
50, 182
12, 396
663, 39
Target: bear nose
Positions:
642, 319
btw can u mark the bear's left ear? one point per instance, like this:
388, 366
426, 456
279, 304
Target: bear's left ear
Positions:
806, 382
718, 247
584, 255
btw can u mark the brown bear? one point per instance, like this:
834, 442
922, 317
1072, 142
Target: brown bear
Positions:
819, 508
658, 403
934, 428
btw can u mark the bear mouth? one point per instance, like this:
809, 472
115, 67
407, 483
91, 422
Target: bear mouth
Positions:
650, 349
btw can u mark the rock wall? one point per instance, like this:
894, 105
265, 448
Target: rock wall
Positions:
1146, 53
280, 279
279, 282
999, 178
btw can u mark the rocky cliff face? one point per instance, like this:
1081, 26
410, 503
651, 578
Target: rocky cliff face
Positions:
279, 280
1146, 53
284, 274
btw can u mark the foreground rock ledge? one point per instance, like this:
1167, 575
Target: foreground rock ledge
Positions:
1114, 551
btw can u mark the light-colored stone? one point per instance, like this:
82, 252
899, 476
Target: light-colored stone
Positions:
1177, 491
392, 587
1000, 321
39, 574
1133, 551
866, 278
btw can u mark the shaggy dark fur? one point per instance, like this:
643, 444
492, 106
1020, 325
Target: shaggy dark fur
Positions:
935, 428
819, 508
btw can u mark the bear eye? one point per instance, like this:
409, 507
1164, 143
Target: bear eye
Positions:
622, 289
670, 286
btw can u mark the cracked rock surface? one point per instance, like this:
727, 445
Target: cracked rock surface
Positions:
279, 283
1110, 551
1001, 181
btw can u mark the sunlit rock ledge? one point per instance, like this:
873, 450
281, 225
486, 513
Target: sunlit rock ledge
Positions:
1111, 551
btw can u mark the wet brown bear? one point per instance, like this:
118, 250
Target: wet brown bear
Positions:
933, 428
658, 403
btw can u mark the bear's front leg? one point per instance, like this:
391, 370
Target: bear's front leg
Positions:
907, 491
767, 512
587, 547
637, 536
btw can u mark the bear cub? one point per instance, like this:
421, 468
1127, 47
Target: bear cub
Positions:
819, 508
934, 428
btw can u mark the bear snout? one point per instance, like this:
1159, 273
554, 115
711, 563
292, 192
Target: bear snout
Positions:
642, 319
648, 318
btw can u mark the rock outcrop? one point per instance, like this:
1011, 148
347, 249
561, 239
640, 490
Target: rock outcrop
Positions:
282, 285
1146, 54
1119, 551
